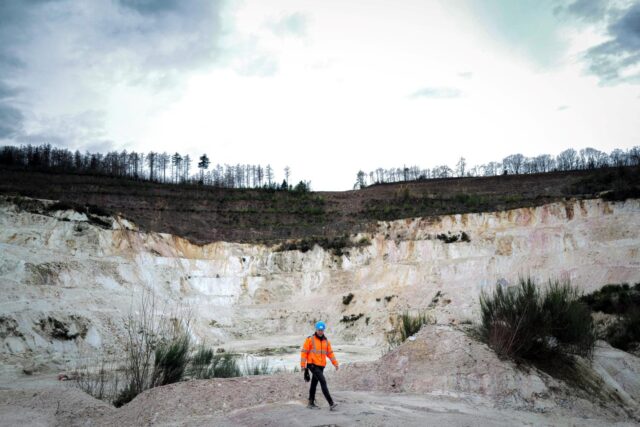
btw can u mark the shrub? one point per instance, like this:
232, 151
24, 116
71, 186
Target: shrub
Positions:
171, 359
448, 238
624, 333
257, 367
63, 206
512, 322
411, 324
347, 299
352, 318
614, 299
97, 210
126, 395
524, 323
156, 349
225, 365
101, 383
624, 302
452, 238
407, 325
336, 245
200, 362
206, 364
569, 319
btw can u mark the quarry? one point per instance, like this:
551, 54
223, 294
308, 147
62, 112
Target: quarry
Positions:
68, 279
319, 213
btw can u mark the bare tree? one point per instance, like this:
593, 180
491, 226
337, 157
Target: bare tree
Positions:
287, 172
513, 163
567, 160
269, 175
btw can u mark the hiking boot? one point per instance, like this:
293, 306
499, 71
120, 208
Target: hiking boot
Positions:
333, 407
312, 405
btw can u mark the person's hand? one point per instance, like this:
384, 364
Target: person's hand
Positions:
307, 378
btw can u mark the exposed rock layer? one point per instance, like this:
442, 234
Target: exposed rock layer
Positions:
67, 284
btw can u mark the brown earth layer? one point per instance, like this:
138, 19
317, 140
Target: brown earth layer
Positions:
207, 214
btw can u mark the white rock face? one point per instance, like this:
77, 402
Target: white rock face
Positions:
248, 297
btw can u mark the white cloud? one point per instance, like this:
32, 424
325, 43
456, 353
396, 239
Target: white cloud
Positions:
326, 92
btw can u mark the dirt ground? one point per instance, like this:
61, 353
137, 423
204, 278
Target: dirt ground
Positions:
171, 407
441, 377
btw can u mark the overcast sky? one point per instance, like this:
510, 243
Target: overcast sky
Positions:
324, 86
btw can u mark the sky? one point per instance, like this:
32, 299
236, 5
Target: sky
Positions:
325, 87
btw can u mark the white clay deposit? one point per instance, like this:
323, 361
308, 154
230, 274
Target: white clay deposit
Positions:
67, 284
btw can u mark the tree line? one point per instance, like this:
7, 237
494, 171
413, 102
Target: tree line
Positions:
152, 166
514, 164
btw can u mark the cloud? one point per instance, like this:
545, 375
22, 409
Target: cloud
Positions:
11, 122
67, 48
128, 39
617, 60
525, 28
586, 10
7, 91
437, 93
290, 25
84, 131
261, 65
151, 6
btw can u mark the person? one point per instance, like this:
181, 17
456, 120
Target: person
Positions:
313, 358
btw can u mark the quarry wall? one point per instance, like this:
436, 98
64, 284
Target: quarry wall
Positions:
66, 284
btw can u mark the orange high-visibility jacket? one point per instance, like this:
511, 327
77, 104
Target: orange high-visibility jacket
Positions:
315, 351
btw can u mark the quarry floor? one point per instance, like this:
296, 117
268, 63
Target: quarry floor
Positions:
457, 382
64, 405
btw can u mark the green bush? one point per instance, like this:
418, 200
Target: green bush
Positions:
524, 323
569, 319
171, 359
225, 365
614, 299
257, 367
623, 301
624, 333
126, 395
411, 324
408, 325
206, 364
200, 362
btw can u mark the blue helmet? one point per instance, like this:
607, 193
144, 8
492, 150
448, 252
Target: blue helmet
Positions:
320, 326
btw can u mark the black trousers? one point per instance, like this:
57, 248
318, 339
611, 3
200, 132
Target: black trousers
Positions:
318, 377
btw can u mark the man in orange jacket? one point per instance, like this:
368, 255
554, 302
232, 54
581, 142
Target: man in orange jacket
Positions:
315, 350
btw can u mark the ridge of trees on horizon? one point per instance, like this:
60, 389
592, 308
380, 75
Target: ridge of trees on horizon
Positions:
153, 166
514, 164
